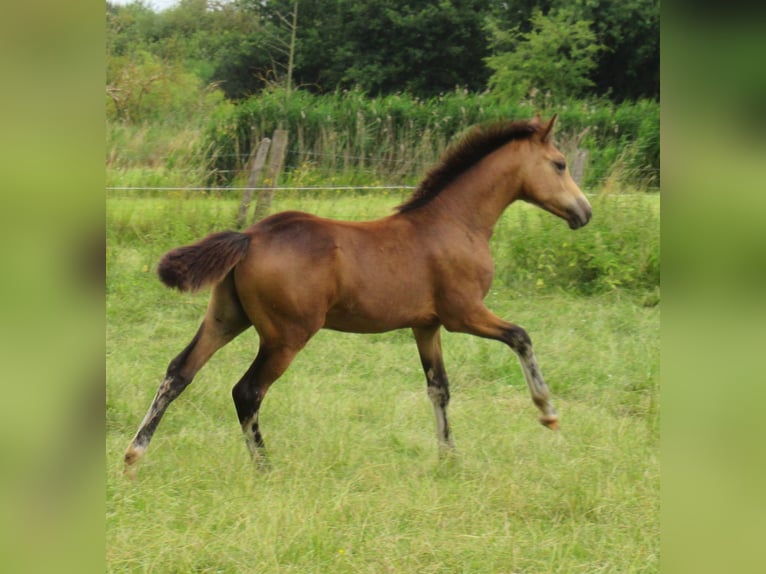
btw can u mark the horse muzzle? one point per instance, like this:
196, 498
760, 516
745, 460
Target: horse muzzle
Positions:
579, 215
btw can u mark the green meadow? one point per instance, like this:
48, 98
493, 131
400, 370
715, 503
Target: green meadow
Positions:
355, 481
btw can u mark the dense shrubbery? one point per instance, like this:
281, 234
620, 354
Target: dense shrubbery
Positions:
599, 48
146, 89
620, 248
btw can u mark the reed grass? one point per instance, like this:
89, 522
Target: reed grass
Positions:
347, 138
396, 137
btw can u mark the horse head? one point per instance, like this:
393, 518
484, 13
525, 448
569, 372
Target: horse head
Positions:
546, 180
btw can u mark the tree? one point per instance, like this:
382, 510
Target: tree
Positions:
129, 28
421, 47
424, 47
629, 65
217, 40
556, 55
629, 30
248, 61
381, 46
142, 87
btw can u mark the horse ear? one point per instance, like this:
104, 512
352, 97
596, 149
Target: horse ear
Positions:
548, 129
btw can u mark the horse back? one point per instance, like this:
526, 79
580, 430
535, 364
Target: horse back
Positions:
350, 276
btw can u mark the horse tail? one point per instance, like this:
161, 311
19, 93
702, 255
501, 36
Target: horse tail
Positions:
191, 267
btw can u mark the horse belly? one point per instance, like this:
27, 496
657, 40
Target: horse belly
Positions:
373, 308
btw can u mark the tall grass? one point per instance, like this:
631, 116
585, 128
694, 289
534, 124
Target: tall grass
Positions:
397, 137
350, 139
533, 251
356, 484
153, 155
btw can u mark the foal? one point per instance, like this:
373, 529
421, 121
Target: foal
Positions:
426, 266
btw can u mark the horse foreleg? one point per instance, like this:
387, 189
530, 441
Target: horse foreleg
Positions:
518, 339
485, 324
249, 392
430, 349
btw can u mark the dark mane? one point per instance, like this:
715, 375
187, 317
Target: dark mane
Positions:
477, 143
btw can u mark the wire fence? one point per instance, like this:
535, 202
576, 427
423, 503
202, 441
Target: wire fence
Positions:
591, 193
365, 167
367, 163
268, 188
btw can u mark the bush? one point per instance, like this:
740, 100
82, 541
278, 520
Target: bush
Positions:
619, 249
143, 88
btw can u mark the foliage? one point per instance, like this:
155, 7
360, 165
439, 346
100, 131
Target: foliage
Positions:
628, 66
128, 28
390, 46
343, 44
196, 34
342, 131
143, 88
623, 140
620, 250
164, 111
556, 55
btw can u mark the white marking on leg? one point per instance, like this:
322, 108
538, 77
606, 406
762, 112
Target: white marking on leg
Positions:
249, 428
141, 440
158, 407
537, 387
437, 394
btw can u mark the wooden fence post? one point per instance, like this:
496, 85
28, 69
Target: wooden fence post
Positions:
578, 157
256, 166
278, 150
577, 167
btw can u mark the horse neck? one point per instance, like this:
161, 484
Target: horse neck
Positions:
478, 197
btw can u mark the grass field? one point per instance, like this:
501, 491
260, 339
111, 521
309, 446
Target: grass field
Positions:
356, 483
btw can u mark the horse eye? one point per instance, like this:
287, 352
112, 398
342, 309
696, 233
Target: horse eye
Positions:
560, 165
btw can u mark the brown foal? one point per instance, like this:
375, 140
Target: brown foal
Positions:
425, 266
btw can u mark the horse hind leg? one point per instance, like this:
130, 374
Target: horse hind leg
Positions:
224, 320
429, 347
248, 393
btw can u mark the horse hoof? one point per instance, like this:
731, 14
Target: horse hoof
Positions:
551, 423
132, 456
